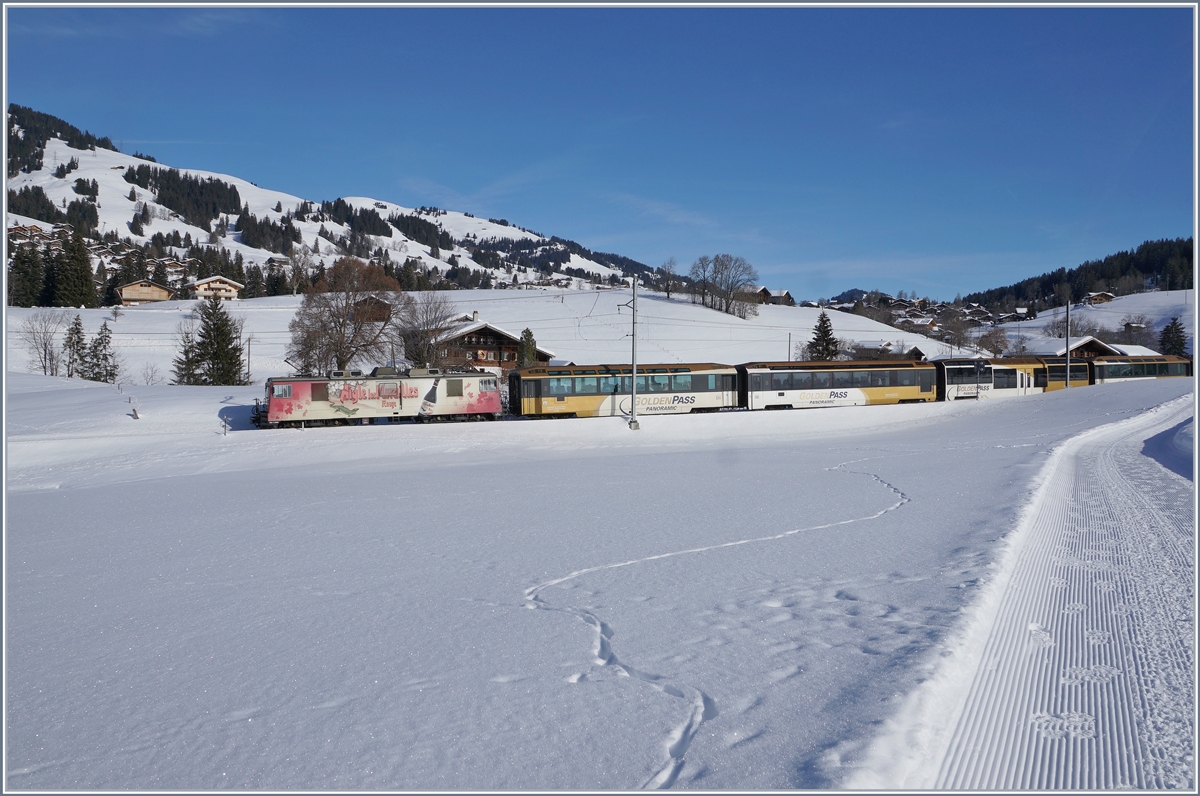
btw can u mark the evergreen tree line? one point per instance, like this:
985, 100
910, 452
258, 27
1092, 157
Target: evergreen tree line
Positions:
421, 231
94, 360
266, 234
66, 168
46, 279
198, 200
1166, 264
26, 148
363, 220
32, 201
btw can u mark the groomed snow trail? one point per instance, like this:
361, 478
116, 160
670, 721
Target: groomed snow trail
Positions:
1085, 680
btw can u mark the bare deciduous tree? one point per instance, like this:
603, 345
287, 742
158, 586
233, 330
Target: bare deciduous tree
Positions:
732, 278
40, 332
994, 341
701, 274
668, 271
430, 315
351, 315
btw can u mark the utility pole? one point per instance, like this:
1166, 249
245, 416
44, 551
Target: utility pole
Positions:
633, 422
789, 347
1068, 373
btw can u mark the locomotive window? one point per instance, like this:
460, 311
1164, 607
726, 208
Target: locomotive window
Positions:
585, 385
388, 390
842, 378
681, 383
781, 381
559, 386
908, 378
660, 383
282, 391
320, 391
802, 380
861, 378
821, 379
454, 387
488, 385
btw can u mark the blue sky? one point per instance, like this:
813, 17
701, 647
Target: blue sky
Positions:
932, 150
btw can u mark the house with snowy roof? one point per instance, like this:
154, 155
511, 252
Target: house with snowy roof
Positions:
477, 343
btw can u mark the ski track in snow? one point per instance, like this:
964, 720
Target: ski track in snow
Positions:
701, 706
1085, 679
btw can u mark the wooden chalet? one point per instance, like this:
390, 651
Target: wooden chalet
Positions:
219, 286
480, 344
143, 291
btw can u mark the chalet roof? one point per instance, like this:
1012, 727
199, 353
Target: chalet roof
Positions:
455, 332
217, 278
1057, 346
1134, 350
146, 282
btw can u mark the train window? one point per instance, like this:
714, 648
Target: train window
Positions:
822, 379
907, 378
1139, 369
802, 380
756, 382
660, 383
282, 391
1162, 368
1004, 379
389, 389
709, 382
842, 378
454, 387
681, 383
610, 385
559, 386
641, 384
925, 377
881, 378
781, 381
1039, 377
531, 388
861, 378
585, 385
488, 385
1079, 372
320, 391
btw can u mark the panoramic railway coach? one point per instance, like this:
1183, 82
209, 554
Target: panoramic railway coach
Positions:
975, 379
1108, 369
607, 390
344, 397
803, 385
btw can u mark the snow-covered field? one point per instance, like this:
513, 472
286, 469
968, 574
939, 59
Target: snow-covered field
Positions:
956, 595
585, 326
1159, 307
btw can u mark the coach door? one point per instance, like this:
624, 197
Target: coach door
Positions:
729, 395
531, 396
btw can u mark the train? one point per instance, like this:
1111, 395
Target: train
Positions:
343, 397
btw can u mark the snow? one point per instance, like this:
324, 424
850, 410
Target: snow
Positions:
737, 600
1159, 306
584, 326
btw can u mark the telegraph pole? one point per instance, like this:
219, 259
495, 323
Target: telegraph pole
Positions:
633, 422
1068, 374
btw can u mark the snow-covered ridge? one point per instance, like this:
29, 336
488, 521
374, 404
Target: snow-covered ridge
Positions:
116, 209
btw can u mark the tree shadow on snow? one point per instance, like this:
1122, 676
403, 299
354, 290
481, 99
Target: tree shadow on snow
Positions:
1162, 449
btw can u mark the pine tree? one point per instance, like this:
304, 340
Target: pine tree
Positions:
1173, 340
25, 277
73, 286
823, 346
101, 359
75, 349
135, 226
526, 349
219, 345
159, 277
185, 368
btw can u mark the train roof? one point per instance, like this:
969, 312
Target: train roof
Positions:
601, 370
868, 364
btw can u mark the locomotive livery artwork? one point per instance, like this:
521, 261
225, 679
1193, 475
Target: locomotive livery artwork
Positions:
346, 397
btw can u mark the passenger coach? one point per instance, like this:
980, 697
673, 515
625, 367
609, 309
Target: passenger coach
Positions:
802, 385
607, 390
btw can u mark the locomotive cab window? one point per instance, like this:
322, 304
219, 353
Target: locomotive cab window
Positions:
389, 389
454, 387
282, 391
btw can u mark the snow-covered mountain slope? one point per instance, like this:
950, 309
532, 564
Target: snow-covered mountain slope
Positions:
585, 326
1159, 307
116, 209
